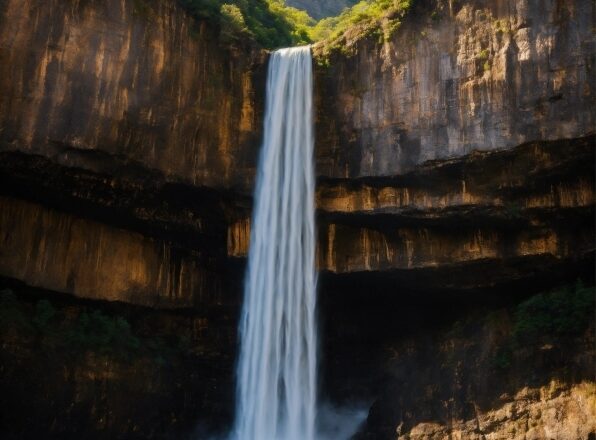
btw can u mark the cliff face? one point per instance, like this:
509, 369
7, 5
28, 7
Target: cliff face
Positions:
453, 401
69, 254
456, 77
76, 368
551, 410
480, 379
129, 236
136, 107
123, 127
515, 208
129, 138
136, 81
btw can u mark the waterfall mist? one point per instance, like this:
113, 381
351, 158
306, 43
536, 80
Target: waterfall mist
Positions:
276, 389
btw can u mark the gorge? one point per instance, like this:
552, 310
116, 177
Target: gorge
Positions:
454, 211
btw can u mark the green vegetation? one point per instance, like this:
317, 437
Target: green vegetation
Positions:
77, 332
270, 22
102, 334
371, 16
483, 55
273, 24
484, 58
502, 26
548, 318
232, 22
502, 359
564, 312
377, 19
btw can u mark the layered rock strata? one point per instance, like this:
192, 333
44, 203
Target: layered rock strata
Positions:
455, 170
454, 78
88, 82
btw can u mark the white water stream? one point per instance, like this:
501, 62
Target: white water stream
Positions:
277, 369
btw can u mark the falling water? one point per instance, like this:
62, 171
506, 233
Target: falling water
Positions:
276, 393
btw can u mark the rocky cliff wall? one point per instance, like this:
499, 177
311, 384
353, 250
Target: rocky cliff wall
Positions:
506, 207
105, 370
69, 254
551, 411
122, 125
85, 233
128, 81
145, 83
165, 173
474, 380
455, 77
128, 144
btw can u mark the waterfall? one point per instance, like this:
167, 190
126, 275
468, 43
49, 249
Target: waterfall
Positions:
276, 393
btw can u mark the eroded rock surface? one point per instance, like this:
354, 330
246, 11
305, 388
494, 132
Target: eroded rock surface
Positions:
90, 83
128, 143
456, 77
480, 379
553, 411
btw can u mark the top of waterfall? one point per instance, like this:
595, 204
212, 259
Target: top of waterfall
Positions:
287, 50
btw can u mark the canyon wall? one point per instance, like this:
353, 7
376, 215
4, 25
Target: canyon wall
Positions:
87, 83
474, 380
455, 164
68, 254
146, 110
125, 129
455, 77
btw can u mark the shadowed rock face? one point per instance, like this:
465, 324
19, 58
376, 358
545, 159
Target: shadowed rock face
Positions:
535, 200
143, 240
456, 77
79, 232
135, 81
458, 384
128, 144
176, 382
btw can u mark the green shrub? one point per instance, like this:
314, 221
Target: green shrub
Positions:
547, 317
273, 24
104, 334
564, 312
502, 359
50, 330
366, 14
232, 21
270, 22
483, 55
44, 312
